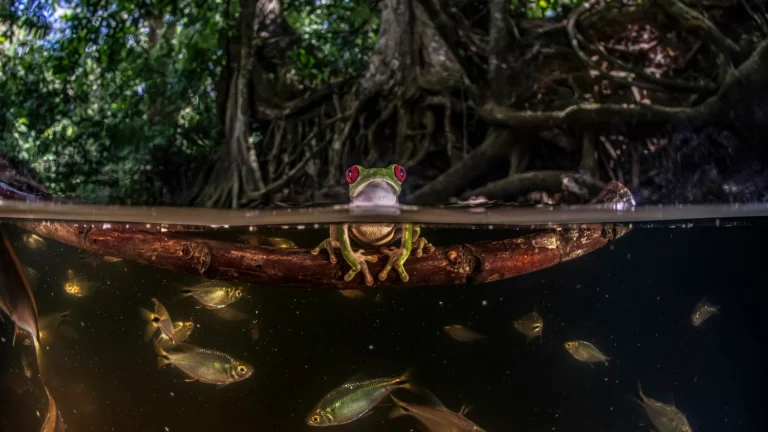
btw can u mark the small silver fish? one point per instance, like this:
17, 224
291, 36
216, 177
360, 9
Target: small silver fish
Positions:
437, 418
462, 334
95, 259
531, 325
160, 319
49, 326
77, 286
181, 331
262, 240
702, 311
586, 352
352, 293
16, 298
666, 418
33, 241
354, 399
213, 294
204, 365
33, 276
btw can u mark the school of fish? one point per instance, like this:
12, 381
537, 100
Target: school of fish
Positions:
350, 401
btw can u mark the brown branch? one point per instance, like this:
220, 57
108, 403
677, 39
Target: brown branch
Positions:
458, 264
449, 31
592, 114
575, 38
499, 47
11, 193
739, 85
496, 144
548, 181
694, 21
300, 105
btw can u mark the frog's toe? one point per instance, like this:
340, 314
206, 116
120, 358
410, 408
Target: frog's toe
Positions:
366, 274
395, 255
383, 274
328, 245
361, 257
420, 244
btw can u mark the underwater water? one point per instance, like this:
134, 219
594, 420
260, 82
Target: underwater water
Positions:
632, 299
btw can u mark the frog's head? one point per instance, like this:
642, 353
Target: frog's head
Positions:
375, 186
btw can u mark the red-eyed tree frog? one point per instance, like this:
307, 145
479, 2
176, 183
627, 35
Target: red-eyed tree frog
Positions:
375, 187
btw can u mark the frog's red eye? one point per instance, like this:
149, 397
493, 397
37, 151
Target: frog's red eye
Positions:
352, 174
400, 173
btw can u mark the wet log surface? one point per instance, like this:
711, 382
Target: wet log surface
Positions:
474, 263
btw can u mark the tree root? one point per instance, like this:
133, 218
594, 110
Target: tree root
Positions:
518, 185
693, 20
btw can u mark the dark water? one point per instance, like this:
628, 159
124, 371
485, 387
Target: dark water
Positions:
632, 300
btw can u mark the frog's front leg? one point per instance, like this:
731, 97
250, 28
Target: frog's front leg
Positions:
420, 243
357, 260
329, 243
397, 256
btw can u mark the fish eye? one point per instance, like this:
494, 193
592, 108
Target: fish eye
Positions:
189, 324
238, 293
315, 419
568, 344
241, 369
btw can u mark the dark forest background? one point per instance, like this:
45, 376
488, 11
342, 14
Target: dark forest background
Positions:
235, 103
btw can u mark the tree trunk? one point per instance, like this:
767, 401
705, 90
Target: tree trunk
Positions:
236, 169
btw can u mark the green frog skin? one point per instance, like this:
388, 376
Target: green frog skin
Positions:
375, 187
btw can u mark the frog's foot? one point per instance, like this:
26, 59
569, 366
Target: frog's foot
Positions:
396, 259
327, 244
422, 243
359, 263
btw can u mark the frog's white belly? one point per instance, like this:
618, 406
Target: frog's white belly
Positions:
374, 234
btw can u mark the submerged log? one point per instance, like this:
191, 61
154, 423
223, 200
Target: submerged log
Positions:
447, 265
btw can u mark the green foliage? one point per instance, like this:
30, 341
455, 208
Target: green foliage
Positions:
98, 108
336, 37
90, 106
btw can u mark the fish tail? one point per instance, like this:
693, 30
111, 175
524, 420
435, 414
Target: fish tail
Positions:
397, 412
397, 401
640, 392
407, 376
407, 382
151, 325
162, 356
181, 293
